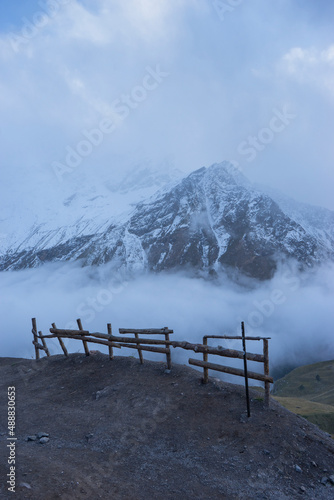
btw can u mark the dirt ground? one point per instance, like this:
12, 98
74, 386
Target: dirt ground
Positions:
121, 430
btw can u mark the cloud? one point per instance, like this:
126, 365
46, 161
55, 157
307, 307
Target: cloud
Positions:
225, 80
293, 309
311, 67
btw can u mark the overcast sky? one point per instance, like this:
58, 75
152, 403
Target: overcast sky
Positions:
250, 81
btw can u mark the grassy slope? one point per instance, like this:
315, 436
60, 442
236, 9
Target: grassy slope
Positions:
309, 392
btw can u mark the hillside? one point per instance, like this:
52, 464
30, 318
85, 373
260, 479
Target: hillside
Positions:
309, 391
121, 430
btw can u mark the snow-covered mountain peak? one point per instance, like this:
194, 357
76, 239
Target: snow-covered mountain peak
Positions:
225, 172
211, 220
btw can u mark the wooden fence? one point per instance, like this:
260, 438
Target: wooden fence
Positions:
163, 346
245, 373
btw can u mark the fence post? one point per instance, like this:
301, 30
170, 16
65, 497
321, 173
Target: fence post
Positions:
168, 355
62, 345
44, 344
139, 350
205, 359
245, 366
84, 341
266, 372
111, 351
35, 341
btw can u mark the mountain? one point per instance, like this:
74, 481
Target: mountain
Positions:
214, 219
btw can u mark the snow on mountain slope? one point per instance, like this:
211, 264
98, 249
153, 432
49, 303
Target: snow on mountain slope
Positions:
86, 210
211, 220
315, 220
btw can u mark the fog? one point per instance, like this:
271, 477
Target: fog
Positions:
294, 309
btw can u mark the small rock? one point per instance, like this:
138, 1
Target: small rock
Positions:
31, 438
44, 440
266, 452
302, 489
324, 480
243, 418
104, 392
25, 485
40, 435
331, 479
297, 468
167, 371
88, 436
314, 464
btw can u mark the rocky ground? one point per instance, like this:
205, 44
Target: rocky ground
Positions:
90, 428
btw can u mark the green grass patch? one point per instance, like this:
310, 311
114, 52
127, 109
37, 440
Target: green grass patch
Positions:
312, 382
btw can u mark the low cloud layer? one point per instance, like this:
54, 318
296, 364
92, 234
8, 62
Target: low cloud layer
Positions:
294, 310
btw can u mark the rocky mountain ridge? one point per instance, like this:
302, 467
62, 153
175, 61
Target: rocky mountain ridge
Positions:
211, 220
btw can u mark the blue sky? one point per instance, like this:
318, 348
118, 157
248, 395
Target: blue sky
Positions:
230, 73
13, 12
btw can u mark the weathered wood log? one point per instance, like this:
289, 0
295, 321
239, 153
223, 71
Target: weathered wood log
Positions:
233, 337
87, 339
220, 351
45, 347
84, 342
39, 346
139, 340
266, 373
149, 331
64, 333
168, 355
205, 359
140, 354
69, 333
62, 345
111, 352
162, 350
99, 335
34, 332
102, 342
56, 335
231, 370
74, 334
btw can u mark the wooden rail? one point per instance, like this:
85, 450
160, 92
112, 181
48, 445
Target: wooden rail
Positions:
219, 351
231, 370
140, 343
